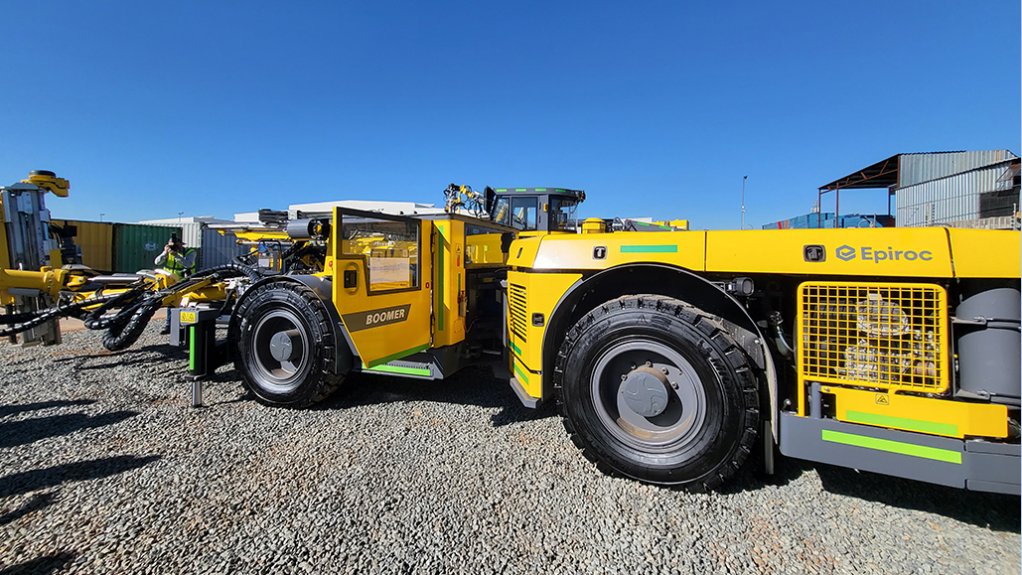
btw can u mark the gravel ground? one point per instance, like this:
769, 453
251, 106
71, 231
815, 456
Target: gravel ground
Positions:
105, 469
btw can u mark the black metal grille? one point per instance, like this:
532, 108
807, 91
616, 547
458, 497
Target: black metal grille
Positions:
518, 310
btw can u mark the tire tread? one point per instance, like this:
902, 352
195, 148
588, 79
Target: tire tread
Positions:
705, 323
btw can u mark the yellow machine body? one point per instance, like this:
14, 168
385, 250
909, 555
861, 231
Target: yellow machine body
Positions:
885, 303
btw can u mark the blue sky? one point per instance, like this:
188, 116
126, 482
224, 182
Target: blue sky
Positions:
654, 108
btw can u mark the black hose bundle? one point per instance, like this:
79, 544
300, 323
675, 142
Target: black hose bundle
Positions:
232, 269
26, 321
125, 300
127, 325
135, 307
125, 332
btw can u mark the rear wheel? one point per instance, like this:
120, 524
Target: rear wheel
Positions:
285, 345
652, 388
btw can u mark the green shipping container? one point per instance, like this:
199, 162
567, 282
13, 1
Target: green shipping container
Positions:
137, 245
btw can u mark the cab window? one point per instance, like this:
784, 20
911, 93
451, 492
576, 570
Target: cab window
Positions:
502, 212
523, 213
562, 214
389, 248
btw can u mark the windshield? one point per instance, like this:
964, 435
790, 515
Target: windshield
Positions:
562, 214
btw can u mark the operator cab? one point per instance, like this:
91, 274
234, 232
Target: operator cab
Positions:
534, 209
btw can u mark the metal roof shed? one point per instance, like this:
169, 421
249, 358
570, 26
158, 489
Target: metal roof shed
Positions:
903, 170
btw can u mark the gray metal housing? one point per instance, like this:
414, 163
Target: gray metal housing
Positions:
984, 466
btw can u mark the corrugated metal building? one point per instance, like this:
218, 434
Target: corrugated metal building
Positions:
925, 167
967, 189
956, 199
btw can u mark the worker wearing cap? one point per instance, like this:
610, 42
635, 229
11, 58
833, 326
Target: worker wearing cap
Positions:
175, 259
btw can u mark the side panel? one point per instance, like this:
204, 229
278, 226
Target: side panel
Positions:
985, 253
883, 252
381, 270
928, 415
529, 294
449, 282
602, 251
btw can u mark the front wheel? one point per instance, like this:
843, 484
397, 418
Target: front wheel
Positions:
651, 388
284, 345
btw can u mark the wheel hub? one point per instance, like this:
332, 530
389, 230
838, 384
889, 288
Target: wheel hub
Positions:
645, 391
281, 349
283, 343
648, 395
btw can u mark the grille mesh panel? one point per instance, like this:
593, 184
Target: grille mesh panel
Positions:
518, 312
882, 335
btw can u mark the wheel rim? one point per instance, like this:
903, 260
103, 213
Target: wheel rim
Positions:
281, 350
648, 395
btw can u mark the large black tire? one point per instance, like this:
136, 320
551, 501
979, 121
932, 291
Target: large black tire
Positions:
689, 417
295, 369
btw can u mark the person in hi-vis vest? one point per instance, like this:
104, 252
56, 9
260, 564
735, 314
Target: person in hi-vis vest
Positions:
175, 259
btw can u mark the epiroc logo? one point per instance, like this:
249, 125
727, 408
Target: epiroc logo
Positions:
876, 255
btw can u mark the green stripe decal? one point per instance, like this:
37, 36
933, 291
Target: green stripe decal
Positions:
440, 283
393, 356
919, 425
901, 448
515, 347
191, 348
420, 371
651, 249
521, 373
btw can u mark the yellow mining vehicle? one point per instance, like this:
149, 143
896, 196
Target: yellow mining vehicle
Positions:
672, 356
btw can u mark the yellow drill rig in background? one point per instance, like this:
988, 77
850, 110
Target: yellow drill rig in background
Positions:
36, 290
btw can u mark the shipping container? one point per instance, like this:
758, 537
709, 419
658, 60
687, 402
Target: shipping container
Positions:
137, 245
213, 248
191, 232
829, 220
95, 240
866, 221
947, 200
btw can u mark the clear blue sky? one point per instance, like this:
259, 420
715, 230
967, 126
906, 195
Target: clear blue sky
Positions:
654, 108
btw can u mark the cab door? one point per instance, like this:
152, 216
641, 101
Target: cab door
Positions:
382, 267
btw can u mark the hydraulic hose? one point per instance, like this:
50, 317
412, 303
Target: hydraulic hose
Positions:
776, 322
127, 326
137, 307
123, 334
31, 320
232, 269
